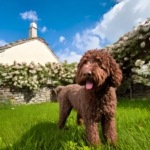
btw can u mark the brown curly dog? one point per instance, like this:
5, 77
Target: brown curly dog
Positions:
95, 100
66, 96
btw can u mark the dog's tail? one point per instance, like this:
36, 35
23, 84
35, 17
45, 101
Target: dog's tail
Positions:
58, 89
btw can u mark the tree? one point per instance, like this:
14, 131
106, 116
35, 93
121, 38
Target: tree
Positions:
130, 48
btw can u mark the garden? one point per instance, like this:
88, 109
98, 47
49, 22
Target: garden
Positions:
34, 127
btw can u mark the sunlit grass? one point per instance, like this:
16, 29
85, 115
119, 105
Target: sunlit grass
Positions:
34, 127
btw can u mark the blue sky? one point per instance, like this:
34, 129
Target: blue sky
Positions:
71, 27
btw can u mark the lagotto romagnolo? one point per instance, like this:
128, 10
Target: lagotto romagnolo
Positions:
93, 97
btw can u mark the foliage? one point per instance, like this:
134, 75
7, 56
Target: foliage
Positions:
142, 72
132, 47
35, 127
33, 76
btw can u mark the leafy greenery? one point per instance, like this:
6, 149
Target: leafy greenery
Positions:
133, 47
33, 76
34, 127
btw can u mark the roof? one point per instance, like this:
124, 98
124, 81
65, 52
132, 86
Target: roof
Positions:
18, 42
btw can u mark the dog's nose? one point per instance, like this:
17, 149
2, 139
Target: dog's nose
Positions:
87, 74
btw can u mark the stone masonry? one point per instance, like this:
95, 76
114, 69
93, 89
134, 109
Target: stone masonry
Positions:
46, 94
25, 96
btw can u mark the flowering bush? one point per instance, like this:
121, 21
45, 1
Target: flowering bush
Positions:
141, 72
132, 52
33, 76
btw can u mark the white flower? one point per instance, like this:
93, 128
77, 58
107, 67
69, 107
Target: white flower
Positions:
15, 78
31, 66
121, 42
142, 44
126, 58
139, 62
32, 71
4, 74
125, 38
21, 77
25, 81
55, 71
34, 77
24, 63
146, 28
39, 69
16, 72
141, 37
47, 69
15, 83
7, 77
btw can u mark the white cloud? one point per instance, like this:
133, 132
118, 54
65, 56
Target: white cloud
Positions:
29, 15
85, 41
121, 18
44, 29
115, 23
70, 56
2, 43
61, 38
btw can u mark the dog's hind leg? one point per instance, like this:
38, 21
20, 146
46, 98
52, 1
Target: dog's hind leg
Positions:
65, 109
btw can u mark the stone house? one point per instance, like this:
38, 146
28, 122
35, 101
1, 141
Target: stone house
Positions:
27, 50
33, 49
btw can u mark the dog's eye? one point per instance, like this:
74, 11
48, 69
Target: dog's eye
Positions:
104, 68
87, 62
99, 63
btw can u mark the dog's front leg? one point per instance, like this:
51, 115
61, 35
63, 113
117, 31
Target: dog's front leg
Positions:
92, 132
109, 130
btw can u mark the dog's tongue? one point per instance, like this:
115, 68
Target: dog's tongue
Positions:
89, 85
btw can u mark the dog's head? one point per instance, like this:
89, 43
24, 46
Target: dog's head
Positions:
97, 67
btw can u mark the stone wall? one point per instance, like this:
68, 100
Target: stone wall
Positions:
25, 96
46, 94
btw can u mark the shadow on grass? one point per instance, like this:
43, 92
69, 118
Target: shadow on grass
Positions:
42, 136
46, 136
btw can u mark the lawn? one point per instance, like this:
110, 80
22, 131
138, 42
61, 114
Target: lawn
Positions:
34, 127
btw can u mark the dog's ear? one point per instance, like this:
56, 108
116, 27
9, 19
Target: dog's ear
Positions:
78, 73
115, 73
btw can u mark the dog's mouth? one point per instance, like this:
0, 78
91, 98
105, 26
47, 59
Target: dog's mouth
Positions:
89, 85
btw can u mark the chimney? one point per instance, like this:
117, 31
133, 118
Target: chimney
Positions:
33, 30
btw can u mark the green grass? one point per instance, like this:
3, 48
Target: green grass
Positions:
34, 127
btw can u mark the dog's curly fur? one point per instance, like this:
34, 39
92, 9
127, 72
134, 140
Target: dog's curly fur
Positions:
94, 98
66, 96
